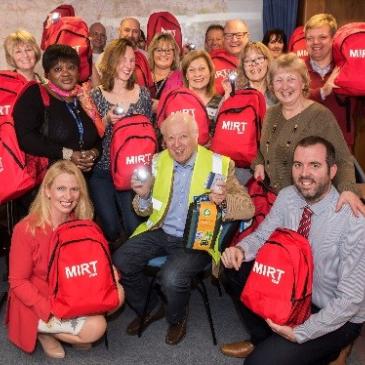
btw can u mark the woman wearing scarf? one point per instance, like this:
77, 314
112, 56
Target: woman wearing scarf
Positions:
67, 128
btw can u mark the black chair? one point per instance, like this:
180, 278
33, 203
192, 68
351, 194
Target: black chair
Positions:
154, 265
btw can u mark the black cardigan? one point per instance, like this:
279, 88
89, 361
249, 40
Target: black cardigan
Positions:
29, 119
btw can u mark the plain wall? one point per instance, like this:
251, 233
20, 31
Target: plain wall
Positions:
194, 16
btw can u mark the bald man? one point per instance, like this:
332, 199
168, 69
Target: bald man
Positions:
97, 35
130, 29
236, 36
180, 171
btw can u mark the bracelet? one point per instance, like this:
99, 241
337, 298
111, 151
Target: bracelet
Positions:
67, 153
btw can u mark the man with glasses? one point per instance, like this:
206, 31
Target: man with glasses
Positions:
235, 36
319, 32
225, 61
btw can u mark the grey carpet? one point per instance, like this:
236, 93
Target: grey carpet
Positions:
196, 348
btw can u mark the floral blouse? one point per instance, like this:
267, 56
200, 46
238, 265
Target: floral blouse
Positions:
142, 106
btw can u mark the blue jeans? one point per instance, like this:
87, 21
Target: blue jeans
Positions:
113, 207
175, 275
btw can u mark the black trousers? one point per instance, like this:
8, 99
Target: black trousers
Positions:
272, 349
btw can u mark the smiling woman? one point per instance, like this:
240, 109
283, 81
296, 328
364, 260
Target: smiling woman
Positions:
22, 53
293, 118
62, 196
62, 130
163, 57
255, 60
198, 72
116, 97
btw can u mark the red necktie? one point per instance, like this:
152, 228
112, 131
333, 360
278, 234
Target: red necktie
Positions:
305, 222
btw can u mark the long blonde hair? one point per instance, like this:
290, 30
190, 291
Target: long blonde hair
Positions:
40, 210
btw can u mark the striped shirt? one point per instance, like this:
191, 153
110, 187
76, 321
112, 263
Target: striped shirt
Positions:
338, 247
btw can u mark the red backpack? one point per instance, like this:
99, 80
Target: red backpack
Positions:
80, 271
164, 22
349, 54
279, 286
62, 10
71, 31
133, 144
238, 126
224, 64
263, 199
11, 83
19, 171
297, 43
142, 70
184, 100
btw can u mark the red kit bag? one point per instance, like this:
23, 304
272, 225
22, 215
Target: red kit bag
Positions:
279, 286
263, 199
80, 271
224, 64
74, 32
349, 54
11, 84
142, 70
61, 11
19, 171
133, 145
238, 126
164, 22
297, 43
184, 100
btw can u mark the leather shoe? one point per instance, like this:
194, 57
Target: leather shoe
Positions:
133, 327
176, 332
51, 346
238, 349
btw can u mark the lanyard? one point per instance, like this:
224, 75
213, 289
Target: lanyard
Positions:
75, 112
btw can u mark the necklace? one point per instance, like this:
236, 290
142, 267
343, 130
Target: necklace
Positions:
159, 84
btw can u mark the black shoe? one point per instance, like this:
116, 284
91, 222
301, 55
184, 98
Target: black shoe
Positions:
133, 327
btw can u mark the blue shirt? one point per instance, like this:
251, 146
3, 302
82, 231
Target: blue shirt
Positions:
174, 221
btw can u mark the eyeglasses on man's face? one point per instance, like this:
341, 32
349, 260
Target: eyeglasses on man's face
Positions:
238, 35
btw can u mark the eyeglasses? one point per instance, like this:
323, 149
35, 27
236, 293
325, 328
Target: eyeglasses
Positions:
255, 61
166, 51
239, 35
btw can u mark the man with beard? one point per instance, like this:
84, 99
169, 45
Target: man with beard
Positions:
338, 245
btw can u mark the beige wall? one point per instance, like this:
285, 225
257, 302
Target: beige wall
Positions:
194, 16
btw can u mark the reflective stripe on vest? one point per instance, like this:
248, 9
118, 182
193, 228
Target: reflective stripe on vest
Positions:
206, 162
